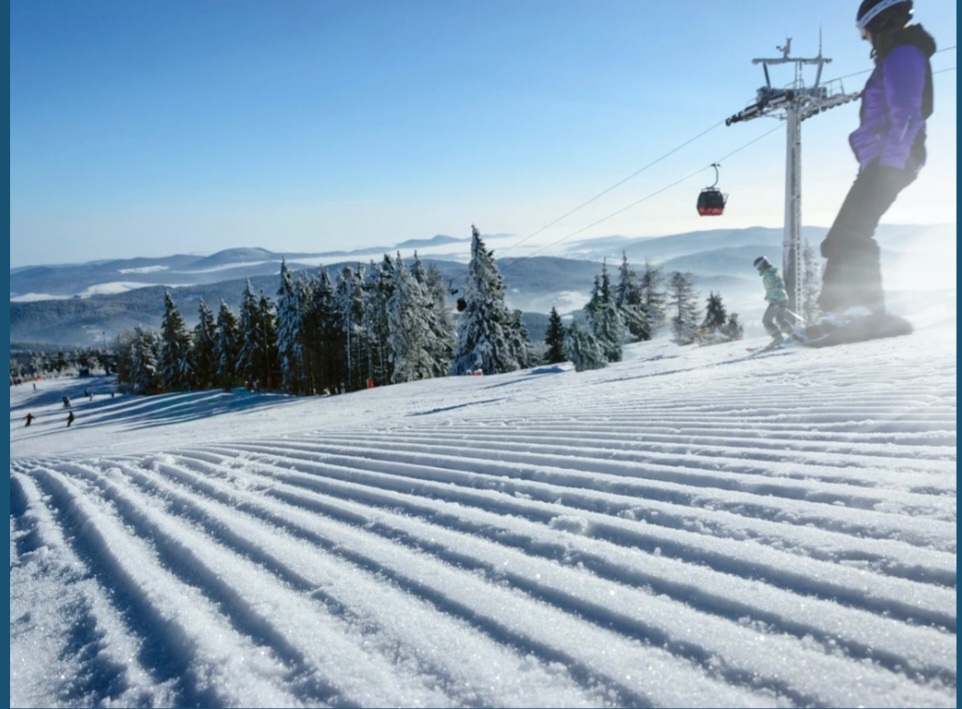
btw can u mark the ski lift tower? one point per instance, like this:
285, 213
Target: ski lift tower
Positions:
793, 104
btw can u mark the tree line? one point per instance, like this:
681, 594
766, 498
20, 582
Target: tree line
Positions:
390, 322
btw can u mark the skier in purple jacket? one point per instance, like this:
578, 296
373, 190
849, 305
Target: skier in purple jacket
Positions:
889, 145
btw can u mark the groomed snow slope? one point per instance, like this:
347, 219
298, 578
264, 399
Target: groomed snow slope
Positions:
687, 527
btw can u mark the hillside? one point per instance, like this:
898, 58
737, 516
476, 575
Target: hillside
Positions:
689, 527
75, 305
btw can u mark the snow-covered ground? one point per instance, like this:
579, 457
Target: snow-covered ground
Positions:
687, 527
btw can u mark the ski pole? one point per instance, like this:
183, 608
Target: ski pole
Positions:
792, 312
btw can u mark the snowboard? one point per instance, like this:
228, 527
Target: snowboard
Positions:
869, 327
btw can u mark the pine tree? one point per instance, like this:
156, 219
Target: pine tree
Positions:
683, 299
713, 327
604, 318
555, 338
203, 352
733, 328
348, 299
173, 361
226, 346
629, 301
408, 336
440, 326
268, 328
258, 359
290, 333
144, 352
378, 288
520, 341
325, 337
484, 328
653, 301
582, 348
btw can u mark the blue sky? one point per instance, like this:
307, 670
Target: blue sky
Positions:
150, 128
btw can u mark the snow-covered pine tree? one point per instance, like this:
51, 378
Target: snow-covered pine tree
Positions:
604, 317
683, 303
226, 347
257, 360
521, 345
440, 326
249, 353
325, 337
268, 328
628, 299
555, 338
408, 335
653, 299
203, 355
349, 303
378, 287
733, 328
173, 359
484, 340
582, 348
290, 333
144, 353
712, 329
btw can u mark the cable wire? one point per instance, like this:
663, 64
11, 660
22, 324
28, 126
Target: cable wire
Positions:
643, 199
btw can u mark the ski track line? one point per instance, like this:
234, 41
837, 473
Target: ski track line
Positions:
624, 618
467, 485
162, 609
604, 655
688, 469
887, 556
331, 667
450, 655
904, 598
685, 582
614, 440
82, 611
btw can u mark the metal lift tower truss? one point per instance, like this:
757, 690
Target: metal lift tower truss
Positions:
793, 104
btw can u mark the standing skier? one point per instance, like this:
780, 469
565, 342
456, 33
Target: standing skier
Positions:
889, 145
776, 318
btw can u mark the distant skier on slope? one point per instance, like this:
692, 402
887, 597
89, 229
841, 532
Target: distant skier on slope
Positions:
889, 145
776, 320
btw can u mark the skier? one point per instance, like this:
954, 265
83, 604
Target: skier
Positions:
29, 417
776, 319
70, 418
66, 403
889, 145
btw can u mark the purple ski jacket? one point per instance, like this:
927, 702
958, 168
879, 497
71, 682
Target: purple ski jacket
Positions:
896, 101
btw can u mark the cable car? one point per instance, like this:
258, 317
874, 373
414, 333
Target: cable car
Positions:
711, 202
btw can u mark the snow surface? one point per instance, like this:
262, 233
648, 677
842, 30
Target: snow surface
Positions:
687, 527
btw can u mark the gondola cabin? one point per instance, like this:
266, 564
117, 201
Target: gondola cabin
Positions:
711, 202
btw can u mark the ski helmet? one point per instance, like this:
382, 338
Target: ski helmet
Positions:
882, 10
761, 263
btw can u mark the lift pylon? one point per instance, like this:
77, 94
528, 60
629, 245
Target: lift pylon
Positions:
793, 105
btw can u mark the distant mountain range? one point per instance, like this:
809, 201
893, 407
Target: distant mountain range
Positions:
82, 304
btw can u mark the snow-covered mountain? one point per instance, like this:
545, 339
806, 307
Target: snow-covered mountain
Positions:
112, 296
688, 527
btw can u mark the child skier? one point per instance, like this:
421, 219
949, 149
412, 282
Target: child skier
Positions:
776, 319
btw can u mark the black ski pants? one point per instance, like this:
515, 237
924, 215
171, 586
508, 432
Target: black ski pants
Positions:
853, 270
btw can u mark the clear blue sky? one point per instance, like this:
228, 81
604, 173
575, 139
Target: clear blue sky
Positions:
150, 128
